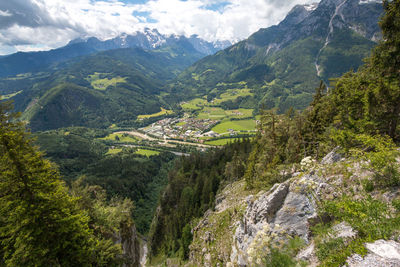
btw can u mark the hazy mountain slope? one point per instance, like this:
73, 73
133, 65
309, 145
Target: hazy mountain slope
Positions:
284, 63
106, 88
22, 62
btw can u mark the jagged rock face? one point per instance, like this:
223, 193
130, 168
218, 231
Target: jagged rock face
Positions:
129, 240
380, 253
286, 208
303, 21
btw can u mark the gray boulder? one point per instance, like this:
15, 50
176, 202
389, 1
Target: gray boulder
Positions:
332, 157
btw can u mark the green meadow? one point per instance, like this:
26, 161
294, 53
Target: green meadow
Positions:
237, 125
102, 84
120, 137
113, 151
147, 152
158, 114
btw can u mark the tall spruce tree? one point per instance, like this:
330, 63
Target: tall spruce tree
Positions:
40, 224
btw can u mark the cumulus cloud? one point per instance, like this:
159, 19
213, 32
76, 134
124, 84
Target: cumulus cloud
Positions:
42, 24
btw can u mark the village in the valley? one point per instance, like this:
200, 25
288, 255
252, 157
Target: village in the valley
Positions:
183, 128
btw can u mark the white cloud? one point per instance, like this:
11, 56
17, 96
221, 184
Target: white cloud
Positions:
27, 24
5, 13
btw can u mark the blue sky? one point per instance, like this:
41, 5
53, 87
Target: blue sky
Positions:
31, 25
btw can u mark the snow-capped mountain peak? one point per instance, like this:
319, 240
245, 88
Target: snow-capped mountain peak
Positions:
152, 39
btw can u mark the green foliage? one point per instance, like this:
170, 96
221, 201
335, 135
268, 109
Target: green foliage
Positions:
358, 112
279, 259
371, 218
285, 256
129, 175
106, 216
72, 149
368, 100
379, 153
387, 54
185, 241
283, 140
334, 252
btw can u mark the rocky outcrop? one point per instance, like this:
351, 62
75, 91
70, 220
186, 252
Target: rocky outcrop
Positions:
245, 225
380, 253
288, 209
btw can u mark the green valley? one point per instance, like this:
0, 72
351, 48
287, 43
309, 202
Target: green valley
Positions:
152, 149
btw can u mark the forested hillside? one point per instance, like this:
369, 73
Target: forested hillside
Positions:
192, 185
100, 90
81, 154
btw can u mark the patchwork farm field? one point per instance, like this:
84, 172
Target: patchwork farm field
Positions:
147, 152
236, 125
231, 95
102, 84
194, 104
221, 142
112, 151
126, 138
216, 113
158, 114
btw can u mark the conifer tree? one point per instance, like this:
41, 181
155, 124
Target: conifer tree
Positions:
40, 224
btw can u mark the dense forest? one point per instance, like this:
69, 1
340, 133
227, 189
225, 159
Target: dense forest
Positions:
193, 184
79, 154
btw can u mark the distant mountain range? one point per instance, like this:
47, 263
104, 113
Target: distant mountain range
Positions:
23, 62
284, 63
98, 83
150, 39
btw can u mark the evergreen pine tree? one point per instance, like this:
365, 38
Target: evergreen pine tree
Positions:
40, 224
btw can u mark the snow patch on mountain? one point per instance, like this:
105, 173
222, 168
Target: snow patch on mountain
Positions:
311, 7
363, 2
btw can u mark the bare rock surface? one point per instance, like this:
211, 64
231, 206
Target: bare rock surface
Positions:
380, 253
308, 255
286, 208
344, 230
332, 157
